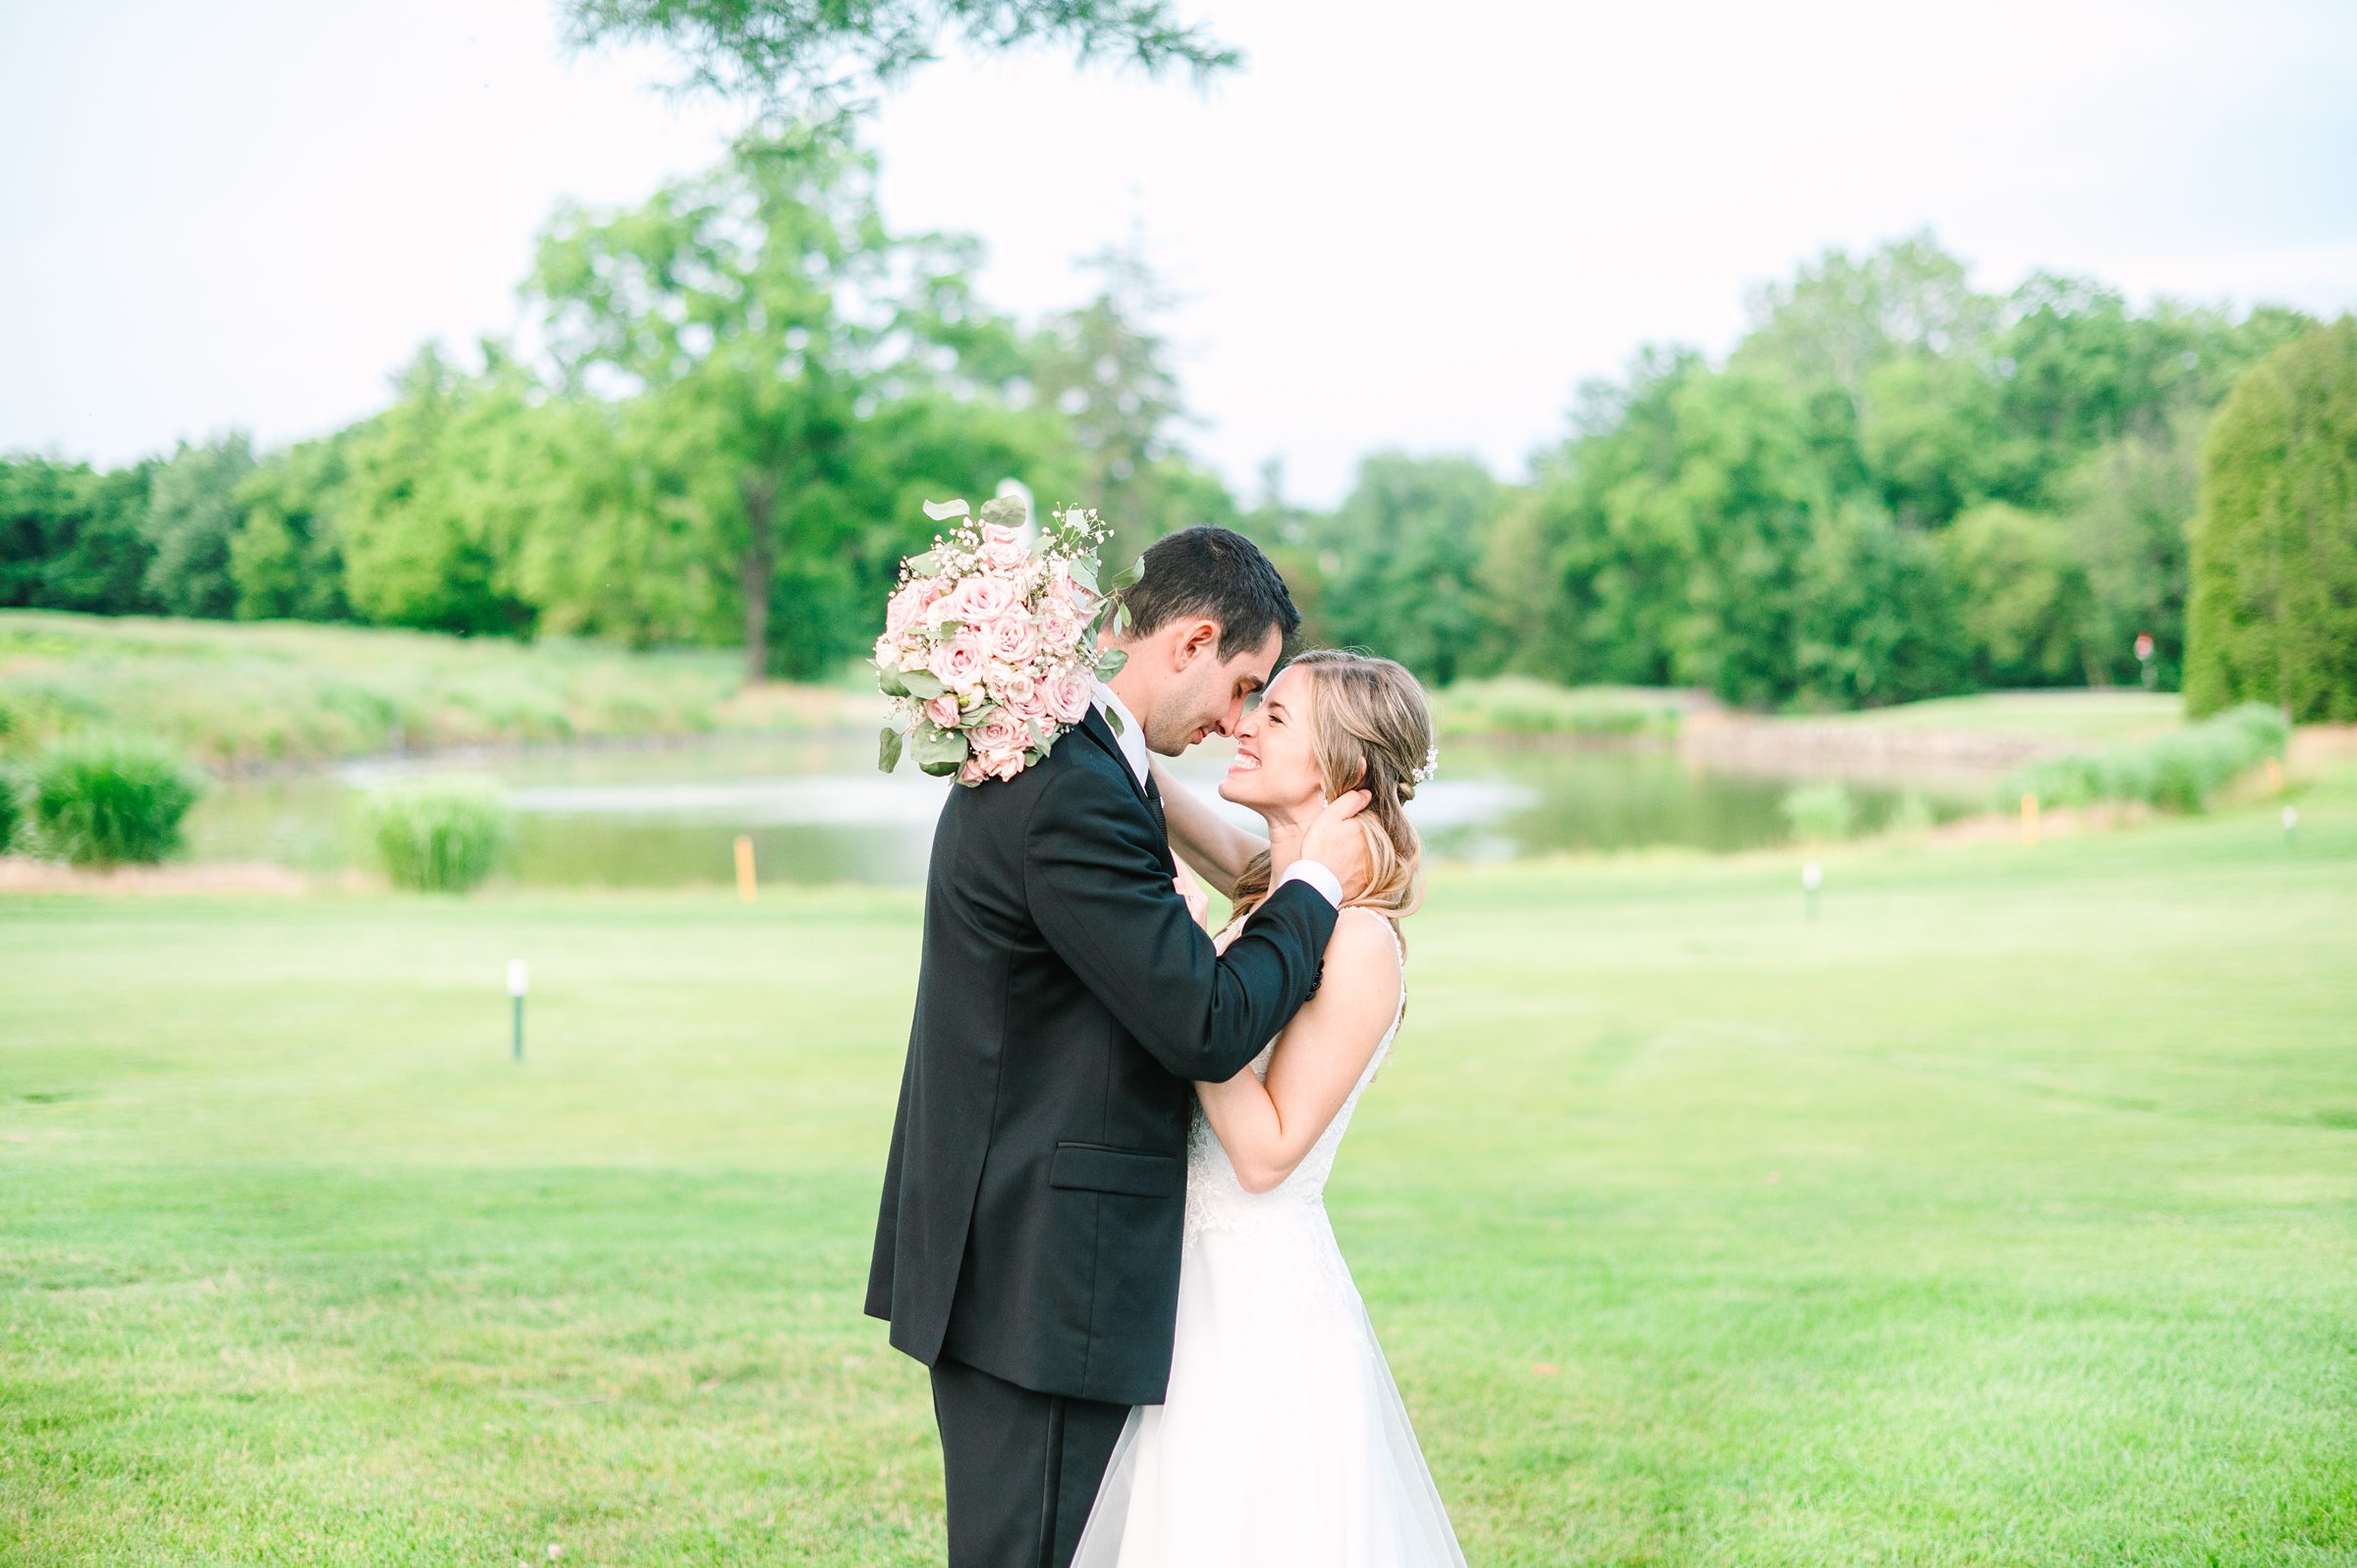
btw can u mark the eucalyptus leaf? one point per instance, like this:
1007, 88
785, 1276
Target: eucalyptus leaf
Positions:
891, 683
1084, 573
1114, 718
926, 564
944, 510
922, 684
1007, 511
938, 750
1110, 662
888, 749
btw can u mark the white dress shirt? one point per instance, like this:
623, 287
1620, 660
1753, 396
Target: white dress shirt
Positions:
1133, 741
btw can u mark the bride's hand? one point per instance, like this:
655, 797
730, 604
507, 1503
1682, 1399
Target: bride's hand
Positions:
1338, 844
1198, 902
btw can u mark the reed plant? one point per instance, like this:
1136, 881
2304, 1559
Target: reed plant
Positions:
105, 800
446, 835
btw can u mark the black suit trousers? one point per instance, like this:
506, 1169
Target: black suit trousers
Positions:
1022, 1467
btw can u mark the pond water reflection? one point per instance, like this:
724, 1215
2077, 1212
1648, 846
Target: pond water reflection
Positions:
818, 811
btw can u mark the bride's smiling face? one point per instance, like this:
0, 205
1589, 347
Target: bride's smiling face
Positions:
1276, 767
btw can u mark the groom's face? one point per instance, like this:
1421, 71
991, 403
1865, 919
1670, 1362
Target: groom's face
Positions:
1208, 694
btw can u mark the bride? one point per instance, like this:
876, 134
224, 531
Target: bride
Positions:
1282, 1438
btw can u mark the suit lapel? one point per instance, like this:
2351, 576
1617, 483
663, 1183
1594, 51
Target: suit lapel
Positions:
1097, 730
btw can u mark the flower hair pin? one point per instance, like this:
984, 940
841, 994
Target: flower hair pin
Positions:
1432, 765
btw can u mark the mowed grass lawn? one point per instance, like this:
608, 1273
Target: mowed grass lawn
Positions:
2004, 1214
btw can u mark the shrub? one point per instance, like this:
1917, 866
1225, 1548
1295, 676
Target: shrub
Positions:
1820, 812
2274, 615
442, 836
100, 802
1912, 815
11, 809
2176, 771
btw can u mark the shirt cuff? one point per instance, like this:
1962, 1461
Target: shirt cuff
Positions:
1313, 872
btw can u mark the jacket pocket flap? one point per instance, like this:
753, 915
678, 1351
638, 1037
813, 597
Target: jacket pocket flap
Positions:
1097, 1168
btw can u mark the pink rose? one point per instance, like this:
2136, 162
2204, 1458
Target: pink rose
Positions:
1058, 629
1005, 766
888, 652
1010, 639
999, 734
904, 606
1014, 688
983, 600
959, 662
1069, 693
943, 711
1003, 547
970, 772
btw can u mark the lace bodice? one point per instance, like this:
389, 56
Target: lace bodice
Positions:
1216, 1199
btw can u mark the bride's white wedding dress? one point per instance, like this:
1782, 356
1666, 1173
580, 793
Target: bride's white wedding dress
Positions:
1282, 1439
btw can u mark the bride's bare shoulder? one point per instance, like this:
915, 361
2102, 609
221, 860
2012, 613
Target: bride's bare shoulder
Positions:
1363, 952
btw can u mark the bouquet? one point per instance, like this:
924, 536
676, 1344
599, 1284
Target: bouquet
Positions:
989, 652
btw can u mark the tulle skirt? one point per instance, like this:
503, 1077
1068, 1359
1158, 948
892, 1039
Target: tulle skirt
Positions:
1281, 1440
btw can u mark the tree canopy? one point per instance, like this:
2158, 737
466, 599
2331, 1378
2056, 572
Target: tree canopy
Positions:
2274, 548
820, 64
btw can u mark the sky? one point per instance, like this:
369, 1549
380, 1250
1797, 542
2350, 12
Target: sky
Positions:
1399, 226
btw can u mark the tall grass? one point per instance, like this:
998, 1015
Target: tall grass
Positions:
2179, 771
1515, 705
105, 800
1819, 813
442, 837
11, 809
236, 696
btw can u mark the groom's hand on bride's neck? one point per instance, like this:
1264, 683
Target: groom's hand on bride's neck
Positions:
1337, 842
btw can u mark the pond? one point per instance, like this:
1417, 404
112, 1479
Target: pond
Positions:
818, 812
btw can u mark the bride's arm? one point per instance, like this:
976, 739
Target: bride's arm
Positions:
1206, 841
1269, 1128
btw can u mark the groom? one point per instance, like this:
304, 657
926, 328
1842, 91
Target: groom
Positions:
1027, 1252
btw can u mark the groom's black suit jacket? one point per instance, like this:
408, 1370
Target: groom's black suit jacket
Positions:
1036, 1189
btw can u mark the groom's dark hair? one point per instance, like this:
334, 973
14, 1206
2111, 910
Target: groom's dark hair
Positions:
1214, 573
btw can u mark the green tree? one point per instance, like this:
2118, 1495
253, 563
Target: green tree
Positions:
1877, 613
1106, 368
1748, 493
192, 514
1402, 561
2273, 617
71, 537
2024, 596
2127, 508
442, 488
816, 61
285, 561
1587, 575
1840, 317
762, 318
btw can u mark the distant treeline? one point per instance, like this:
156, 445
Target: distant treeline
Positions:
1895, 487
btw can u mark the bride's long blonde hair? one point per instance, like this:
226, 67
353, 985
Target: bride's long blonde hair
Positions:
1370, 729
